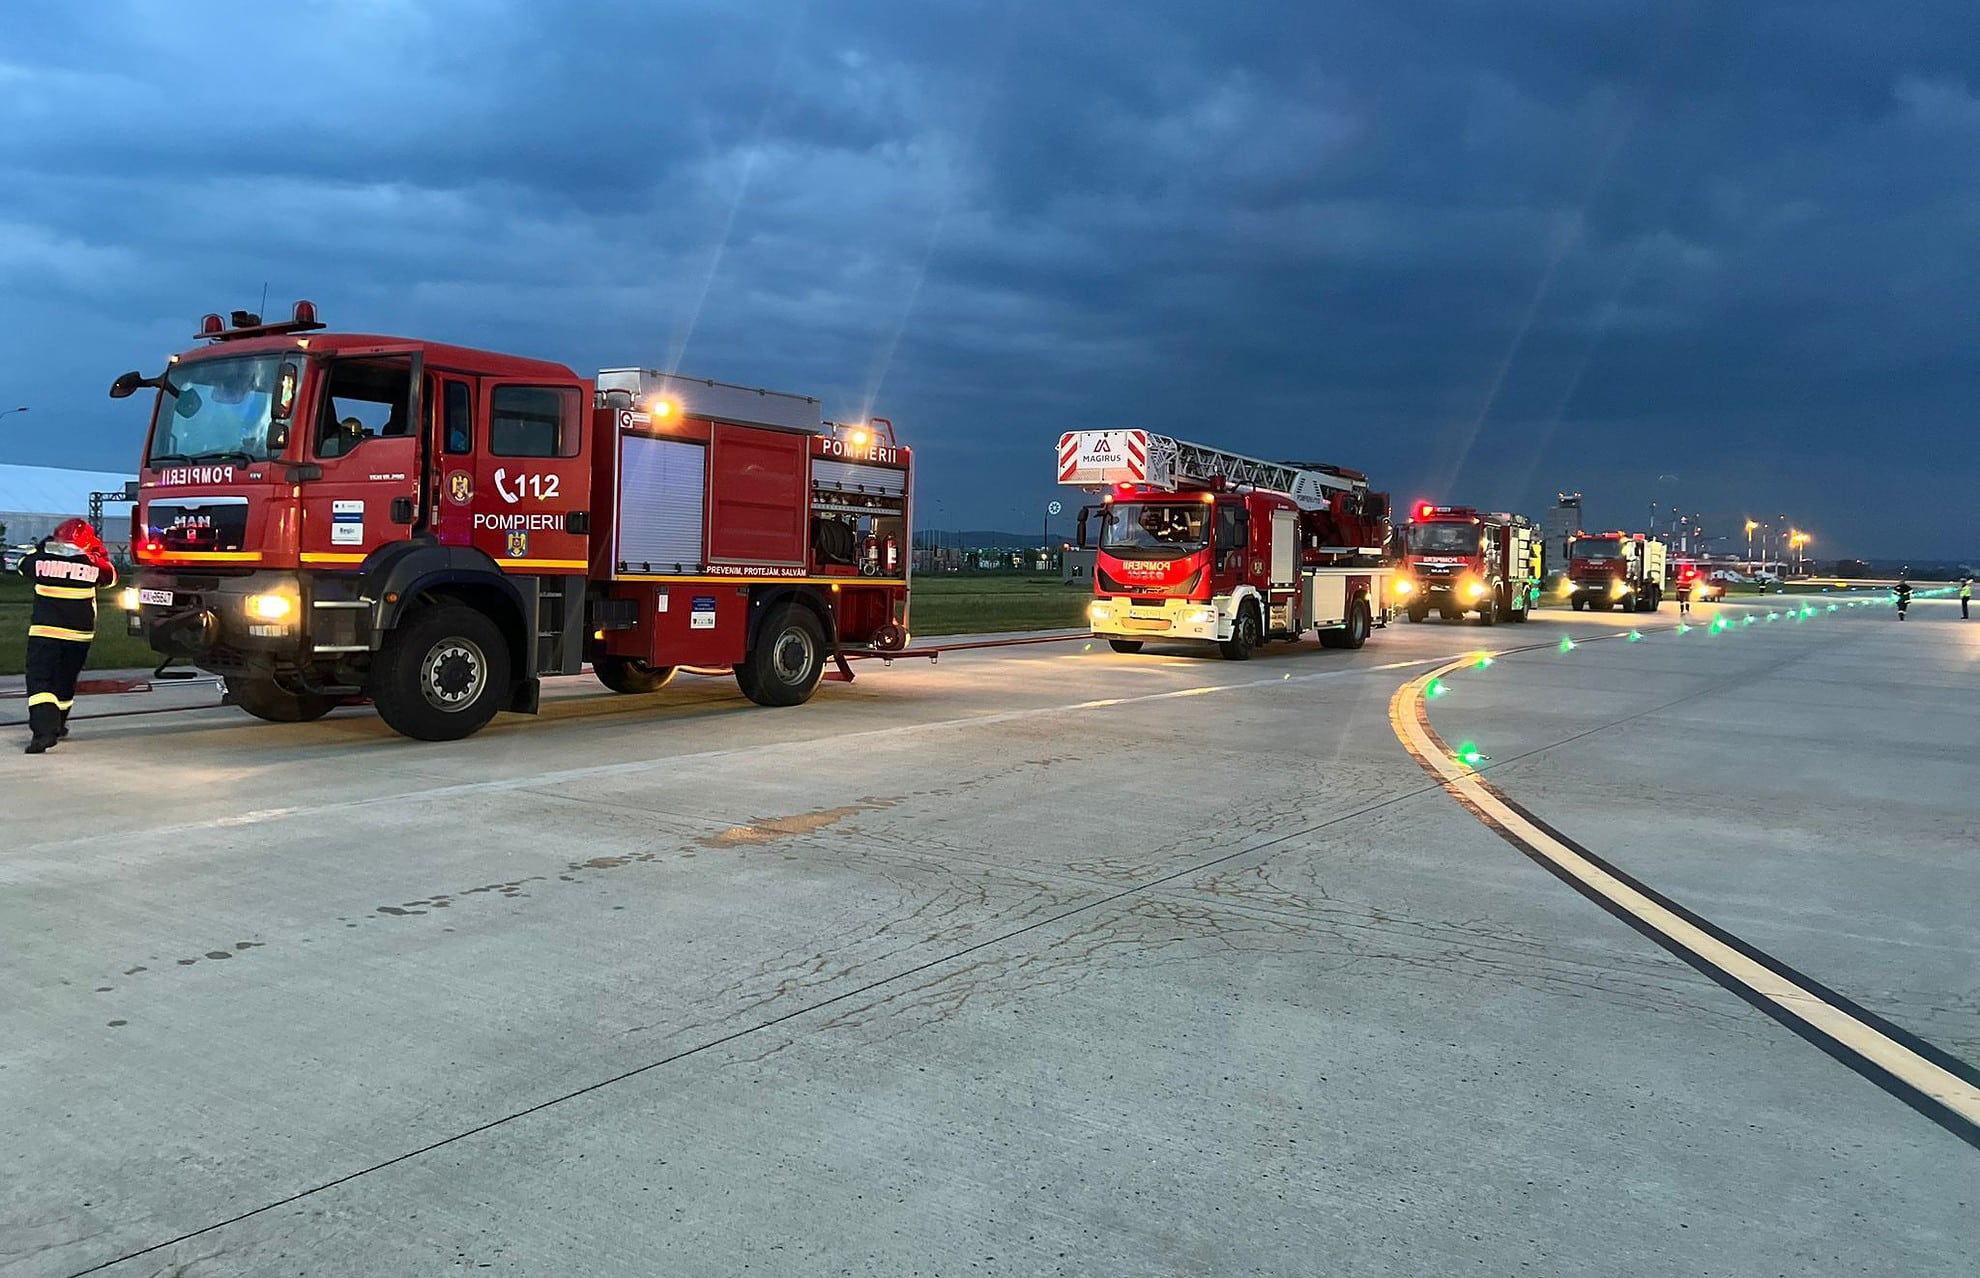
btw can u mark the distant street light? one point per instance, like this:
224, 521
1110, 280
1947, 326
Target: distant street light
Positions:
11, 411
1750, 526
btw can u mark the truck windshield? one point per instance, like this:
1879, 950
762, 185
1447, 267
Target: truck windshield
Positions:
1155, 530
220, 410
1444, 539
1595, 548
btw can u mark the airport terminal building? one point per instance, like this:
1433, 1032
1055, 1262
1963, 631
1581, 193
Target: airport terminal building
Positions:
35, 499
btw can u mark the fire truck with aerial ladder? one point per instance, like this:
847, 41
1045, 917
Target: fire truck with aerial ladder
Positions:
1615, 570
1459, 560
1198, 543
329, 517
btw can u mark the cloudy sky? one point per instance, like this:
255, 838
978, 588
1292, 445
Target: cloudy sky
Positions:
1482, 251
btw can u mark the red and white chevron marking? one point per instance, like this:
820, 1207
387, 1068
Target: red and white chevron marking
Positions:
1068, 455
1137, 454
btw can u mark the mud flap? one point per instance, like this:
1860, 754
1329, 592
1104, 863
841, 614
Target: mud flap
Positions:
527, 696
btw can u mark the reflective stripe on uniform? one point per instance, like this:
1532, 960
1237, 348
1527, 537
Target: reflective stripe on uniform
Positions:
65, 592
50, 699
61, 632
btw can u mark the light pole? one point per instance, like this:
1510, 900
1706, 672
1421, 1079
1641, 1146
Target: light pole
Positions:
1750, 526
10, 412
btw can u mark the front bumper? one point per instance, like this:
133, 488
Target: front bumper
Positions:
214, 622
1123, 618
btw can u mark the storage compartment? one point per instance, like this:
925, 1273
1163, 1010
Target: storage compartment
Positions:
757, 497
662, 487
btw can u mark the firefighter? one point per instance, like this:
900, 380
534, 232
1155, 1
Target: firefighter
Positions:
1684, 595
1903, 597
1965, 595
67, 570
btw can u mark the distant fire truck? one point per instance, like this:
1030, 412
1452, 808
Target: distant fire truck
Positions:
1615, 570
331, 517
1459, 560
1196, 543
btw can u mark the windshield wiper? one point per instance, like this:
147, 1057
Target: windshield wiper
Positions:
227, 454
161, 459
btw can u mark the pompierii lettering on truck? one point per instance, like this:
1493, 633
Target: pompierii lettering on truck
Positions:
520, 523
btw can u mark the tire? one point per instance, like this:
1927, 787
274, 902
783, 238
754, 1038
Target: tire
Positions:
1418, 613
266, 699
1354, 633
442, 675
1578, 603
1525, 608
784, 667
1488, 611
1655, 600
1246, 635
1125, 645
624, 674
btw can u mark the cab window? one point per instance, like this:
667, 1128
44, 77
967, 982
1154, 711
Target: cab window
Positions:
533, 421
458, 418
363, 400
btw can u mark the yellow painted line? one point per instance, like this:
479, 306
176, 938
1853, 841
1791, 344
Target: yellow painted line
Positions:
1793, 1002
564, 565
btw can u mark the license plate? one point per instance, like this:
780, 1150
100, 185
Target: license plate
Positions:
155, 597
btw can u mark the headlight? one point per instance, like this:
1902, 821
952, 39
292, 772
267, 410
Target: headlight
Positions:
1567, 587
1619, 589
1098, 611
1203, 616
1475, 589
128, 599
1404, 586
270, 607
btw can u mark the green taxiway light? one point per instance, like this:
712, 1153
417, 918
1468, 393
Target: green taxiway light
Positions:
1637, 635
1469, 755
1436, 688
1746, 620
1719, 624
1832, 607
1773, 616
1484, 660
1566, 643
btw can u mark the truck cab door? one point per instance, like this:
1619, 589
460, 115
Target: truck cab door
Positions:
365, 442
529, 470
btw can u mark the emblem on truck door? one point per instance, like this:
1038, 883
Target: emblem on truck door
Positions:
518, 544
460, 487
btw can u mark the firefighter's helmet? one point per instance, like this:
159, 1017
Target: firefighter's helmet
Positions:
77, 532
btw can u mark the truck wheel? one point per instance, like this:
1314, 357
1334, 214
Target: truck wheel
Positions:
1354, 633
1654, 601
624, 674
784, 667
1419, 612
266, 699
1579, 603
1245, 635
1125, 645
1488, 611
442, 675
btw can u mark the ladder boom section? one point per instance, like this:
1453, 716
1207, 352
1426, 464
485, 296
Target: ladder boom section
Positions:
1098, 457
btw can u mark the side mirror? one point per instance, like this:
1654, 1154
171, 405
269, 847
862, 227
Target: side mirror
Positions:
1084, 511
126, 386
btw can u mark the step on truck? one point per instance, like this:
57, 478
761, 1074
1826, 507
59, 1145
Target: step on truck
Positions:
1457, 560
334, 517
1197, 544
1615, 570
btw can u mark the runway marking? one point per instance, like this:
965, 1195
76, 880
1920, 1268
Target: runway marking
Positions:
1934, 1082
14, 869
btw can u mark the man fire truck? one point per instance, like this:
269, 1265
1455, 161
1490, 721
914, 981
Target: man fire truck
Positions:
1197, 543
332, 517
1458, 560
1615, 570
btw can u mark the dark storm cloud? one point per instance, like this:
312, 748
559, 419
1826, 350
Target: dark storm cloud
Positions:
1478, 250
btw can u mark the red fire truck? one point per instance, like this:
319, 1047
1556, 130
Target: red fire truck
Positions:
1615, 570
1196, 543
331, 517
1459, 560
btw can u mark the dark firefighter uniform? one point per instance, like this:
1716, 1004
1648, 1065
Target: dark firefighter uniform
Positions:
66, 578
